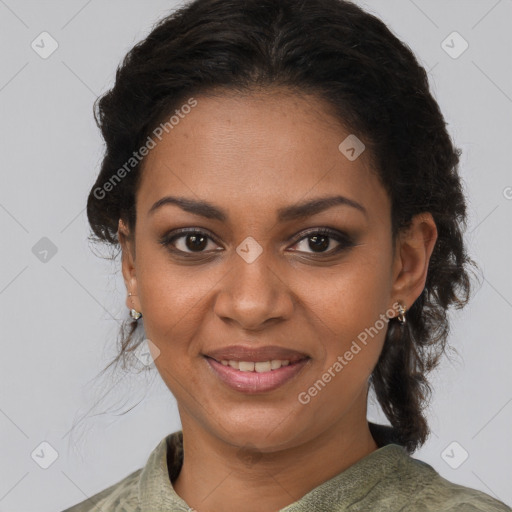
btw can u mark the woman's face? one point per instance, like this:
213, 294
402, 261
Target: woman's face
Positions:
261, 276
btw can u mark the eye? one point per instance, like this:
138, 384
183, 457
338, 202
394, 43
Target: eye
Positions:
188, 241
320, 241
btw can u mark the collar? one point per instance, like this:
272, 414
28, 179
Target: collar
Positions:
164, 464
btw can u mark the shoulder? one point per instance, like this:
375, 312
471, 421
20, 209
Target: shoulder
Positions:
427, 490
416, 485
120, 497
147, 488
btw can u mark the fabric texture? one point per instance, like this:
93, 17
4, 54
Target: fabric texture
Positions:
386, 480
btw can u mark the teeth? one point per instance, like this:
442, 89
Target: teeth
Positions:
259, 367
263, 366
245, 366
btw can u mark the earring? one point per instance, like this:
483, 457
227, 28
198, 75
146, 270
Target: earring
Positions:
401, 314
133, 312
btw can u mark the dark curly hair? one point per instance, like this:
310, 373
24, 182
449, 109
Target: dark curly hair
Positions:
374, 85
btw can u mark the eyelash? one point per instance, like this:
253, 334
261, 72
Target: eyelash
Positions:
344, 240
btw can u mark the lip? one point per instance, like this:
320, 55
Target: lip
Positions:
254, 382
252, 354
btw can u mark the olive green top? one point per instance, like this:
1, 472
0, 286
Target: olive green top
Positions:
386, 480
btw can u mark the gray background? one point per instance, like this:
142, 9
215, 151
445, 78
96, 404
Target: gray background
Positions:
60, 312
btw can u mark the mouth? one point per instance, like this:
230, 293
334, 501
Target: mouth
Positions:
254, 377
258, 366
261, 355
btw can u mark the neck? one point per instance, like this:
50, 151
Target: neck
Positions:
217, 475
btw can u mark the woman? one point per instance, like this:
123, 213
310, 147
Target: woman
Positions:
286, 197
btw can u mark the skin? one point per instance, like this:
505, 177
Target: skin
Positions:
251, 155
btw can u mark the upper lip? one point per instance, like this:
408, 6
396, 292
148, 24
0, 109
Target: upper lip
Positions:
251, 354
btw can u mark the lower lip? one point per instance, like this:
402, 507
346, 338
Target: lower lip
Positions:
255, 382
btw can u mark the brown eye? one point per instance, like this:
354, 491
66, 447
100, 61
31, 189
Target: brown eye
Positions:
321, 240
195, 242
319, 243
188, 241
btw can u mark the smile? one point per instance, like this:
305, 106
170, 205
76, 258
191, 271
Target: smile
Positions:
256, 377
258, 366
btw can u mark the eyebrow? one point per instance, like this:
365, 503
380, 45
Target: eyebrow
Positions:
288, 213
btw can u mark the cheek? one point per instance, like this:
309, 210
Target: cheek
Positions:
348, 305
350, 296
172, 302
170, 293
167, 300
352, 337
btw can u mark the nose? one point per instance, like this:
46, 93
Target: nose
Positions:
254, 295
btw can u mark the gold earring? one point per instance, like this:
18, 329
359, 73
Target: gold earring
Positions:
133, 312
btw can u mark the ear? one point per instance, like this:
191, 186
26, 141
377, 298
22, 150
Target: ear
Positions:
413, 249
128, 265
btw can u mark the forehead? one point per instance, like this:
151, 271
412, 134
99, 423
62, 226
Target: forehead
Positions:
258, 151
